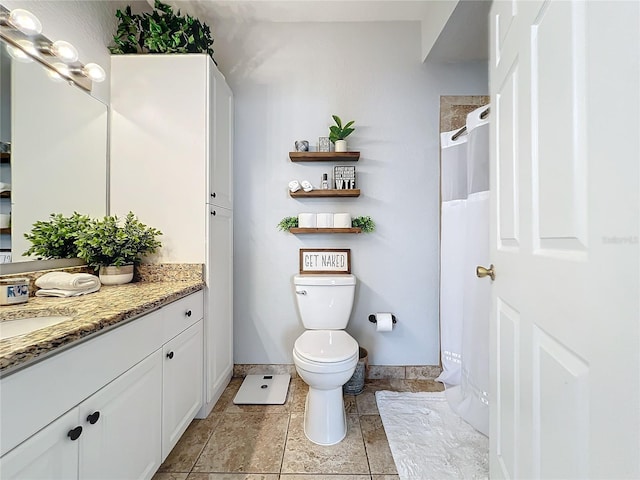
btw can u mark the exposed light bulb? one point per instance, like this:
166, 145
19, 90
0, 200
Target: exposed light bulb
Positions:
22, 51
57, 71
25, 21
64, 51
94, 71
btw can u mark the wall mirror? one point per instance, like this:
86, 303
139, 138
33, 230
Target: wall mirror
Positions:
58, 161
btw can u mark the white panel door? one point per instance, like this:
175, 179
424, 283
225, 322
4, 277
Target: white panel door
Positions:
181, 384
121, 436
219, 301
50, 454
220, 139
564, 81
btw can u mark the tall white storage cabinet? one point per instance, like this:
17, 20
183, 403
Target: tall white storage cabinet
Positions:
171, 164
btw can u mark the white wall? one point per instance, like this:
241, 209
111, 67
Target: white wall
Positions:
288, 78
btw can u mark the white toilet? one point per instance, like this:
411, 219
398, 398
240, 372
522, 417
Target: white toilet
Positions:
325, 355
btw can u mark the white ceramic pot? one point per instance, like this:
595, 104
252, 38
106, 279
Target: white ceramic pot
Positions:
341, 145
112, 275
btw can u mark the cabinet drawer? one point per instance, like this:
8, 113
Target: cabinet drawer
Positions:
181, 314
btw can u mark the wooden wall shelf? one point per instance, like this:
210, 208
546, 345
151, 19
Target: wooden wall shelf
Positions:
5, 194
297, 231
355, 192
5, 157
5, 230
324, 156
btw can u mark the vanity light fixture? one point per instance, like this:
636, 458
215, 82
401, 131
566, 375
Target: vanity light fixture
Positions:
61, 49
22, 20
21, 29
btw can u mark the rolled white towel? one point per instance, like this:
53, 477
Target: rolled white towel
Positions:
59, 292
68, 281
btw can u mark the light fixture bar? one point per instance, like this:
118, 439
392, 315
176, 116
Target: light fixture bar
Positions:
48, 53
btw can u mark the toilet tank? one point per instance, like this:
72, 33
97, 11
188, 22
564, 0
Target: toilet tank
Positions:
325, 301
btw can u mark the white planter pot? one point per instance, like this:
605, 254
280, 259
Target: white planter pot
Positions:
116, 275
341, 145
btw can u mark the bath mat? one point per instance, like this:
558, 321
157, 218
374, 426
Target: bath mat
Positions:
263, 390
428, 440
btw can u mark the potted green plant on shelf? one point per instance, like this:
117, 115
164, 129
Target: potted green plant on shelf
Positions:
114, 246
161, 31
287, 223
365, 223
338, 133
56, 238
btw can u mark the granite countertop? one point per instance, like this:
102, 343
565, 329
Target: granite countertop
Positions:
91, 314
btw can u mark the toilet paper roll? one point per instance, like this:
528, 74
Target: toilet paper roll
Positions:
384, 322
324, 220
341, 220
307, 220
294, 186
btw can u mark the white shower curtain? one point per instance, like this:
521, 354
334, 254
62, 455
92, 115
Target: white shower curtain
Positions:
464, 299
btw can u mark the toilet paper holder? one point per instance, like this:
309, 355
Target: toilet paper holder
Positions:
372, 319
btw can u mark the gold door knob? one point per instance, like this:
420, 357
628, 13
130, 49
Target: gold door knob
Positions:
485, 272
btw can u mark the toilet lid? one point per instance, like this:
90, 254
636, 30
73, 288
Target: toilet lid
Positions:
326, 345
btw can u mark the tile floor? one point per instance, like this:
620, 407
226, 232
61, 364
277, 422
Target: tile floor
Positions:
267, 442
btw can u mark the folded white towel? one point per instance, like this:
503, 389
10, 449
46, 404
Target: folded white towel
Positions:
58, 292
68, 281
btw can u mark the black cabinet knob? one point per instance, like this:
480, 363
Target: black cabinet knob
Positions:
93, 418
213, 212
188, 313
74, 433
213, 194
170, 355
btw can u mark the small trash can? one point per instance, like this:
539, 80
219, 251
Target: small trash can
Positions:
355, 385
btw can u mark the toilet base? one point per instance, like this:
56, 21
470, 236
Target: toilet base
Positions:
325, 421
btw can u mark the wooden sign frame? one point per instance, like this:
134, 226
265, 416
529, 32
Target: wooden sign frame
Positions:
325, 261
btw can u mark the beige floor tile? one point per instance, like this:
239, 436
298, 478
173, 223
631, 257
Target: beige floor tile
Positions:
366, 401
304, 456
377, 445
295, 476
385, 477
184, 455
245, 442
169, 476
227, 396
233, 476
402, 385
300, 390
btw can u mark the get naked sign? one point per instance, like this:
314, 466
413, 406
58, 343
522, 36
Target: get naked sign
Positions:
325, 260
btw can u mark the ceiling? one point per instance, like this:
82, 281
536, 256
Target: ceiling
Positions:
464, 38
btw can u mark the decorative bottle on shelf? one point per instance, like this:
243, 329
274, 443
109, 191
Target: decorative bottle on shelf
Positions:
325, 182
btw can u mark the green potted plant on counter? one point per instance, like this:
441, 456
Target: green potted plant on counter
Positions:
338, 133
56, 238
113, 246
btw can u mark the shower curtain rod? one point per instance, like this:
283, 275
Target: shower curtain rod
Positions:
483, 115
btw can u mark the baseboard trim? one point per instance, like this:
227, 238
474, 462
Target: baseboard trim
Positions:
374, 372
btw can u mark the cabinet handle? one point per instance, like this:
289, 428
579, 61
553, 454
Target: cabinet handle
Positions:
74, 433
188, 313
213, 212
213, 194
170, 355
93, 418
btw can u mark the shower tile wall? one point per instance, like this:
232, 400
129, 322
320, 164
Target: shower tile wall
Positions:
454, 109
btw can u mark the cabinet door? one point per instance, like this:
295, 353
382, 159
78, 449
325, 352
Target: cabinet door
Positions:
182, 384
50, 454
220, 140
219, 301
122, 425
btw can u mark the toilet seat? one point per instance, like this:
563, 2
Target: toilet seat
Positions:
326, 346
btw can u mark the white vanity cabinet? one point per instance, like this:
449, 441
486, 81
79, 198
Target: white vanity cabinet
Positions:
171, 151
110, 408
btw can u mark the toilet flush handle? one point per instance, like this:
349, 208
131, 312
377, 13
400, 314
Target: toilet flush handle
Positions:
301, 292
